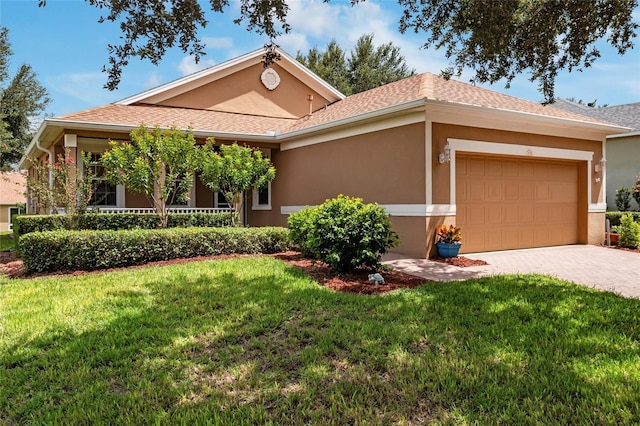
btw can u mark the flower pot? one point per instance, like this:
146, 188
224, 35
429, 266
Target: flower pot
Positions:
448, 249
613, 238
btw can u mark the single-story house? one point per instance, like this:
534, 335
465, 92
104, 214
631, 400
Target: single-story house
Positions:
13, 186
622, 150
510, 172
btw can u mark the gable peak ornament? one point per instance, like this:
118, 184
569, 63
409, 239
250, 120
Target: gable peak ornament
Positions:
270, 78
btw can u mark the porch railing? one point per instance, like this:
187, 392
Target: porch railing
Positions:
117, 210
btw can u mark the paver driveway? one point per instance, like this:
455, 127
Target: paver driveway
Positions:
604, 268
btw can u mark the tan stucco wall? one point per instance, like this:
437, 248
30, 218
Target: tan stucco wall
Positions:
386, 167
4, 218
596, 228
623, 165
244, 92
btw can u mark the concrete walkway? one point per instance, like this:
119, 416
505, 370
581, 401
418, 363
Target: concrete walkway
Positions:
600, 267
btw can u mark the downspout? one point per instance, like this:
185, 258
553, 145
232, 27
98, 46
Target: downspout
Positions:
50, 153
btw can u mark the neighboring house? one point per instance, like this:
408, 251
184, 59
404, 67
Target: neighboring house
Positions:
512, 173
13, 186
622, 150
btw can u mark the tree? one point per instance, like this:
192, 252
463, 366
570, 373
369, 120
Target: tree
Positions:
70, 192
330, 65
502, 39
22, 99
234, 170
366, 67
157, 163
496, 39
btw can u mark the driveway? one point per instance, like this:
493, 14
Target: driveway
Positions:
600, 267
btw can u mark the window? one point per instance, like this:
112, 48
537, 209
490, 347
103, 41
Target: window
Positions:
104, 193
262, 197
220, 201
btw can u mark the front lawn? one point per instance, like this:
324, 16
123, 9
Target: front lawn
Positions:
254, 341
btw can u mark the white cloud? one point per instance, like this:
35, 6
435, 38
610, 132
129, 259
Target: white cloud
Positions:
346, 24
218, 42
87, 87
154, 80
188, 65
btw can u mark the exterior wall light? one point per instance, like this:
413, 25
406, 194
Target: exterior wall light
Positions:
600, 165
445, 156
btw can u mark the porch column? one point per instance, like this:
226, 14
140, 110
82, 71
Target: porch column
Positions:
71, 145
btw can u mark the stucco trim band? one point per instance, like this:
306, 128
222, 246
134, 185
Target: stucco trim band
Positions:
406, 210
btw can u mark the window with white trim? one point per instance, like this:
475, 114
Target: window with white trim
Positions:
261, 199
104, 193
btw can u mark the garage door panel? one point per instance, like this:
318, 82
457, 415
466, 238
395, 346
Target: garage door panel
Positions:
507, 203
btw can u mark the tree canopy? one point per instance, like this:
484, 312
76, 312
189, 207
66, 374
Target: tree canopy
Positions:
234, 170
366, 67
496, 39
157, 163
22, 99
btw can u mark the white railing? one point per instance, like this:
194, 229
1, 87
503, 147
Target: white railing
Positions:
116, 210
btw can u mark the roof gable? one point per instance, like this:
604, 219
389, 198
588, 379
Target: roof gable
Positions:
236, 86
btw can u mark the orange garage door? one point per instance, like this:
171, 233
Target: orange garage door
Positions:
507, 203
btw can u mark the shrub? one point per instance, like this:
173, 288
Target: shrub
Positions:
623, 199
86, 250
344, 232
614, 217
102, 221
299, 227
635, 190
629, 232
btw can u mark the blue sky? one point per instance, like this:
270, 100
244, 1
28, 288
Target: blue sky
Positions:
67, 48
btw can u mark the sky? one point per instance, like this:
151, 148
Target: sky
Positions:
67, 48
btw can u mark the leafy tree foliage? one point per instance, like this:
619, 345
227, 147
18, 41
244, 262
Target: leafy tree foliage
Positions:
157, 163
234, 170
70, 192
496, 39
330, 65
22, 99
502, 39
366, 67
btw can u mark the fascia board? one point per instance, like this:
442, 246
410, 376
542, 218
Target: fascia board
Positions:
624, 135
526, 117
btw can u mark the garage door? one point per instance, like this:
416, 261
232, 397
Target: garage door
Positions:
509, 203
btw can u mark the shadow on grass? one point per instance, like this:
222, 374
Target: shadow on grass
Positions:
220, 346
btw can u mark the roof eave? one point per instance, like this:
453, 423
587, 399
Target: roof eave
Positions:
524, 116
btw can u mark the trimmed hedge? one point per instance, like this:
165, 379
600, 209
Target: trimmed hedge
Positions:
26, 224
87, 250
614, 217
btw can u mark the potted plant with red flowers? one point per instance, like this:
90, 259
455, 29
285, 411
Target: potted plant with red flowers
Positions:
448, 240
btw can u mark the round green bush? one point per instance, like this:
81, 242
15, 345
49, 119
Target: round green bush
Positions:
344, 232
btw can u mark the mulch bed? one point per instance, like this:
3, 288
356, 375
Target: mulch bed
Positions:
356, 282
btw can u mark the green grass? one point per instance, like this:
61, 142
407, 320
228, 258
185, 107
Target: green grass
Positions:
254, 341
6, 241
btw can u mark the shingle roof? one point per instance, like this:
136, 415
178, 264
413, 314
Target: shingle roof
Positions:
424, 86
627, 115
150, 115
431, 87
12, 188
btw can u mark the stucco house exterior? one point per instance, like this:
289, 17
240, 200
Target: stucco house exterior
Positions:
622, 150
13, 186
512, 173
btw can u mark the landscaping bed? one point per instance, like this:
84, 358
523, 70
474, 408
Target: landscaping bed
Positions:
356, 282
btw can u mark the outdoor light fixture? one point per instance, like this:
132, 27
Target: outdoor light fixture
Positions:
600, 165
445, 157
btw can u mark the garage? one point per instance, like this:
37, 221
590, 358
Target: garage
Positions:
507, 203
